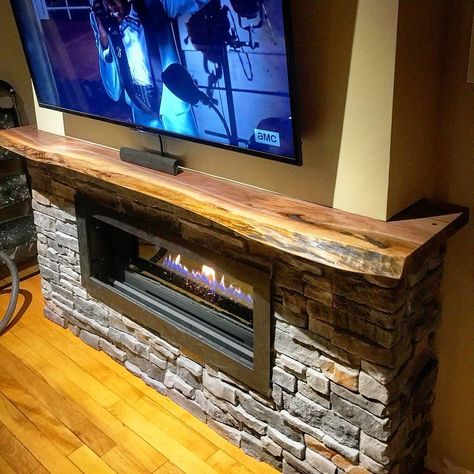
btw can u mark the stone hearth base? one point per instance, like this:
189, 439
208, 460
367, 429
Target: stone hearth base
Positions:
353, 369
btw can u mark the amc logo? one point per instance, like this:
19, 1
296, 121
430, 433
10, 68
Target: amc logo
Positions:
267, 137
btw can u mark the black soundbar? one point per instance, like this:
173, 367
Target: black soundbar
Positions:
150, 160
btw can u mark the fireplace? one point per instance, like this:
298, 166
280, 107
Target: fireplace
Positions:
211, 305
171, 277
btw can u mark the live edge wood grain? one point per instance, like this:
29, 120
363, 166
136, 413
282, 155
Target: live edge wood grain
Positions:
317, 233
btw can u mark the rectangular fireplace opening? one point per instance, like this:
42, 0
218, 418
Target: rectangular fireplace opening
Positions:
209, 304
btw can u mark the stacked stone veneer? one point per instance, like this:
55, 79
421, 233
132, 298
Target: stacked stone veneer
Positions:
353, 370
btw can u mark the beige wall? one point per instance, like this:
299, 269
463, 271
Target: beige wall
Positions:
421, 30
452, 441
13, 68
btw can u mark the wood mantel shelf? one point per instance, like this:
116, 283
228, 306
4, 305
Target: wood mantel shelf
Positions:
317, 233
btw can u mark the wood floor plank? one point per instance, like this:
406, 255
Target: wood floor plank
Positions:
173, 409
88, 382
226, 464
236, 453
14, 453
185, 459
88, 462
187, 438
122, 463
82, 355
38, 414
5, 468
40, 446
111, 429
40, 470
168, 468
62, 407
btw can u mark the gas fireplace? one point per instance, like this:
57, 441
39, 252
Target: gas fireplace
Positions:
211, 305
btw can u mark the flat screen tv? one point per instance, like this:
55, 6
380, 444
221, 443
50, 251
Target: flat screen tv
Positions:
212, 71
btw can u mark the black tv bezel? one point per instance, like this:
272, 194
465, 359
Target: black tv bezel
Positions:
291, 71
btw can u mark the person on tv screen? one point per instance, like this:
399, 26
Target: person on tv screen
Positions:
135, 42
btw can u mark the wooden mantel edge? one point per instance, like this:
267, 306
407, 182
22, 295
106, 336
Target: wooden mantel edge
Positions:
314, 232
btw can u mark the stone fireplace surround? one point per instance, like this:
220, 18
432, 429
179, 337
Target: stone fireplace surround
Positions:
352, 361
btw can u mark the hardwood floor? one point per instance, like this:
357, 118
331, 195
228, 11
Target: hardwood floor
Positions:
67, 408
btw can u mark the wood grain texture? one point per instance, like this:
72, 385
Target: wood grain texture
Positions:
316, 233
142, 432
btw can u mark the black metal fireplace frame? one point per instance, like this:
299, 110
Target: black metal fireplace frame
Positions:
257, 374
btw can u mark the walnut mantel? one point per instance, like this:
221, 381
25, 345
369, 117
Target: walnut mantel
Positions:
317, 233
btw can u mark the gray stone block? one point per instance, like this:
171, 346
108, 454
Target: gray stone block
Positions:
292, 365
322, 464
230, 434
284, 379
380, 428
155, 384
270, 446
169, 379
134, 369
88, 324
219, 388
158, 361
251, 446
317, 381
40, 198
371, 388
52, 316
392, 450
68, 229
189, 405
67, 241
90, 339
284, 344
66, 304
373, 466
305, 390
49, 274
192, 367
125, 340
293, 465
296, 448
246, 419
164, 348
376, 408
299, 425
215, 411
316, 415
352, 454
288, 316
44, 222
112, 351
183, 387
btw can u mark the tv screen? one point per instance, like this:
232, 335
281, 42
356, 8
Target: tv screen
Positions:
212, 71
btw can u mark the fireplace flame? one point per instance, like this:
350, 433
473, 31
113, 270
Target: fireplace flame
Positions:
209, 273
207, 277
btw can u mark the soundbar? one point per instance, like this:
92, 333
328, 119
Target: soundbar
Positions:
153, 161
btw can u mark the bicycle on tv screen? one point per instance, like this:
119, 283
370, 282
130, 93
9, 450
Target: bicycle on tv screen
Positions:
211, 71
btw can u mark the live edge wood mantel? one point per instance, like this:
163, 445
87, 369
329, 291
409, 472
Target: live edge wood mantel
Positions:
317, 233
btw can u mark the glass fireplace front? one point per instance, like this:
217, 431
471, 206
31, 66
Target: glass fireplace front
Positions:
216, 306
